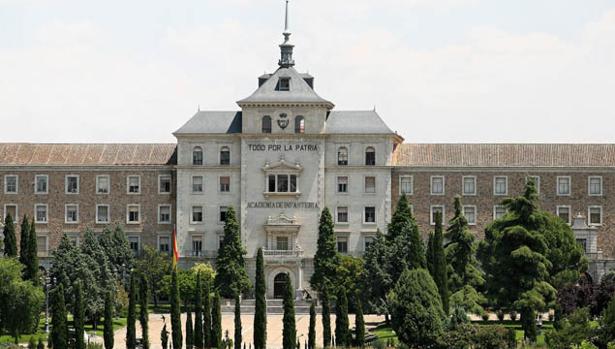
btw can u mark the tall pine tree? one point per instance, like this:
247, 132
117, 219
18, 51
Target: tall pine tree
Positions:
108, 321
59, 327
143, 315
260, 311
311, 344
31, 264
342, 334
326, 319
376, 280
176, 324
216, 322
231, 275
198, 313
78, 316
238, 338
326, 259
10, 241
406, 247
289, 330
207, 316
437, 262
24, 239
131, 327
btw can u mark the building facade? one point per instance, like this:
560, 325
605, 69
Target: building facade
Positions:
278, 160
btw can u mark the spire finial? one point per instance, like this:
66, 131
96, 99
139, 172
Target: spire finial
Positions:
286, 19
287, 49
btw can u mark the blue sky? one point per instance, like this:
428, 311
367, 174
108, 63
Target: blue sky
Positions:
436, 70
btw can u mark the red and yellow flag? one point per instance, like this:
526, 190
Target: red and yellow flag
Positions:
175, 251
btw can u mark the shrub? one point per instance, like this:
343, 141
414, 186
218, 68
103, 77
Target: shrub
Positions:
485, 316
500, 315
573, 330
93, 345
461, 337
494, 337
513, 315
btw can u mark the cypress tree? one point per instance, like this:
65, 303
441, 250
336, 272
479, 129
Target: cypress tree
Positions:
131, 330
24, 239
198, 313
108, 324
206, 316
176, 325
289, 331
78, 316
59, 327
231, 275
326, 259
31, 264
326, 320
189, 330
216, 322
437, 264
342, 334
260, 311
164, 337
406, 247
10, 241
311, 344
238, 338
143, 315
359, 324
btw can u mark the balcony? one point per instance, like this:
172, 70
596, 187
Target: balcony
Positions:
283, 253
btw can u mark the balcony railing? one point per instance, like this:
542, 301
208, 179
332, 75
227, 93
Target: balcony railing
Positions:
283, 253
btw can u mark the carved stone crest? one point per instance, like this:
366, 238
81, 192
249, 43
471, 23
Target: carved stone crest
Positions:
283, 121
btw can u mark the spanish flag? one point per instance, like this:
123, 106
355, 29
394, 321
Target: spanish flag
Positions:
175, 251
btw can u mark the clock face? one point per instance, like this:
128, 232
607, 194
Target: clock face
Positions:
283, 121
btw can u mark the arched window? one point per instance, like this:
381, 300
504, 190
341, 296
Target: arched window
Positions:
197, 156
342, 156
266, 124
370, 156
225, 156
299, 124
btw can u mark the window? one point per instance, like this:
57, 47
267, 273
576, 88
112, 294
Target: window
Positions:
40, 213
342, 214
266, 124
367, 241
71, 213
42, 246
437, 185
299, 124
563, 185
281, 183
164, 244
536, 180
342, 184
223, 214
225, 184
197, 214
103, 184
595, 215
283, 84
499, 211
406, 185
197, 184
342, 156
102, 214
500, 185
469, 185
369, 215
197, 245
432, 214
164, 184
281, 243
133, 242
164, 214
41, 184
563, 212
197, 156
583, 243
72, 184
74, 238
342, 244
12, 210
134, 184
370, 184
370, 156
225, 156
595, 185
132, 214
469, 212
11, 184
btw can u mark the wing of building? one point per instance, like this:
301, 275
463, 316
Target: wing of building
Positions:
280, 158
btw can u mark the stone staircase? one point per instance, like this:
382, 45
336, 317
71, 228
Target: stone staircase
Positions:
274, 306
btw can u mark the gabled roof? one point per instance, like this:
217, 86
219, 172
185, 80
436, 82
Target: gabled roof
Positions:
356, 122
213, 122
506, 155
73, 154
300, 91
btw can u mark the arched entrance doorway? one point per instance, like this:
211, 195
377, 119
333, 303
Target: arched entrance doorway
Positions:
279, 284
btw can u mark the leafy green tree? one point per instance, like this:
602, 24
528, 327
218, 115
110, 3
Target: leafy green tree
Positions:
104, 281
155, 265
312, 327
469, 299
189, 330
416, 310
572, 330
10, 240
108, 324
326, 259
342, 334
326, 319
289, 330
198, 313
238, 339
207, 329
260, 310
131, 328
143, 315
176, 325
59, 327
406, 248
24, 239
437, 262
216, 322
117, 249
359, 334
606, 330
231, 276
349, 275
376, 278
78, 316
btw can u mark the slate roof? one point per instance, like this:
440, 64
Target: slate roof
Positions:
505, 155
216, 122
54, 154
356, 122
300, 91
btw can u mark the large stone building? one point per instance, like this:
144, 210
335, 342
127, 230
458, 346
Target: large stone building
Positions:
278, 160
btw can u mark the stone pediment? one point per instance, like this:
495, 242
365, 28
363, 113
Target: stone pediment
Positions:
282, 165
282, 223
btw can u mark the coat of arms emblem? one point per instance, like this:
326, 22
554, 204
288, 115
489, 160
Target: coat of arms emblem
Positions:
283, 121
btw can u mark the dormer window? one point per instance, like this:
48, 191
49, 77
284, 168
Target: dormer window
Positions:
299, 124
266, 124
283, 84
